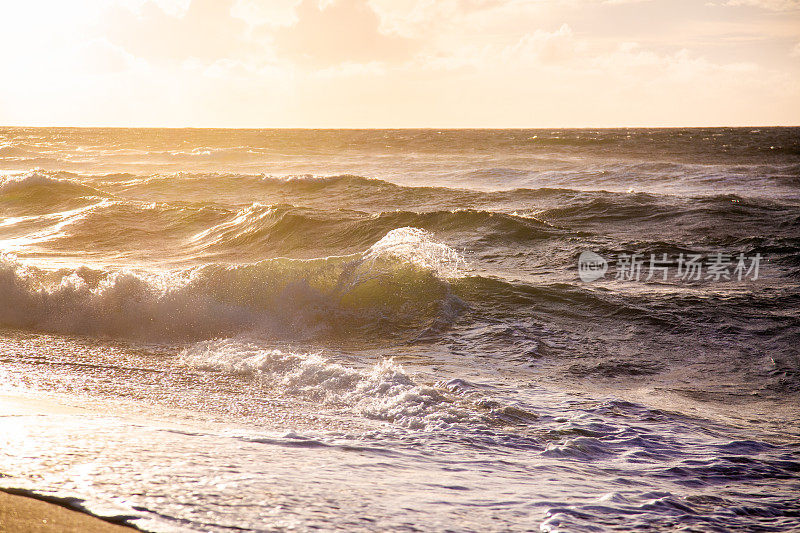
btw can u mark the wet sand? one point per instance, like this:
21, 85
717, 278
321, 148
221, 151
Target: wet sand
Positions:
21, 514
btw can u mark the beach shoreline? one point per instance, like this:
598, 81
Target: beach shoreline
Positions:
23, 513
22, 510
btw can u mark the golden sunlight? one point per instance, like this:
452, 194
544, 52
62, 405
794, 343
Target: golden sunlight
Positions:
394, 63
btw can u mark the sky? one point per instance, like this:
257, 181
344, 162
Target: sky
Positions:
400, 63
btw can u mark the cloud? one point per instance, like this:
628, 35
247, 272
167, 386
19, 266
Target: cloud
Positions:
772, 5
271, 14
417, 18
349, 63
99, 56
206, 30
340, 31
547, 47
539, 48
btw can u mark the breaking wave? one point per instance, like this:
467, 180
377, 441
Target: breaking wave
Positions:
397, 286
39, 192
382, 391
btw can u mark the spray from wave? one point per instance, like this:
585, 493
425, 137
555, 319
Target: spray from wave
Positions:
397, 286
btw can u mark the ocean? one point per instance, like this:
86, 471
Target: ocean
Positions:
407, 330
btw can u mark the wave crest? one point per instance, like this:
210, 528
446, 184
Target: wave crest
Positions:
39, 192
393, 289
383, 391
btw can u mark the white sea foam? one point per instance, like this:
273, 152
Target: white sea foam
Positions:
381, 392
417, 247
277, 297
34, 178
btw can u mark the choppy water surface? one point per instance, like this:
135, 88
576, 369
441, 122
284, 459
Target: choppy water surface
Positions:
206, 330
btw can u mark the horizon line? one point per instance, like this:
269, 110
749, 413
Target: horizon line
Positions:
367, 128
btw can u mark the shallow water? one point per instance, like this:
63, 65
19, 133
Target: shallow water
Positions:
373, 330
